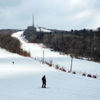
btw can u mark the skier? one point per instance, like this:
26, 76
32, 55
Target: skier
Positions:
44, 82
13, 62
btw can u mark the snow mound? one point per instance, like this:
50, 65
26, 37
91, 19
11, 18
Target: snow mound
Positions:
40, 29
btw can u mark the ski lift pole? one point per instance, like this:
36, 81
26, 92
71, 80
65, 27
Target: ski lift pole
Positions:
71, 63
43, 57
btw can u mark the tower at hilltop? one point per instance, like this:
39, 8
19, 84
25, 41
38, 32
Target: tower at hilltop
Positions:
33, 21
33, 25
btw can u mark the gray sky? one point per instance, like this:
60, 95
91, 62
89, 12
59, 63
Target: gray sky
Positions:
56, 14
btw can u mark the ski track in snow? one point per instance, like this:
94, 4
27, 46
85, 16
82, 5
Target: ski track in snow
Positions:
22, 80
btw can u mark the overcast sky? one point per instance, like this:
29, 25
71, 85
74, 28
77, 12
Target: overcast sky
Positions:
55, 14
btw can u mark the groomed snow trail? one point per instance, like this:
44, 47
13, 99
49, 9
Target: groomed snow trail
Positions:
22, 80
79, 65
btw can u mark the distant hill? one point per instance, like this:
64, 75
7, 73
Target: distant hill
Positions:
9, 30
10, 43
79, 43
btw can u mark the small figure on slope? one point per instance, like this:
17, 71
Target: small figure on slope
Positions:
44, 82
13, 62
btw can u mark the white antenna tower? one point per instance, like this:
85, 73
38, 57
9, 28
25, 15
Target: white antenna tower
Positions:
33, 20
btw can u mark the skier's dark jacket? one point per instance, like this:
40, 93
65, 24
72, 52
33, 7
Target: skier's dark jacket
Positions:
44, 79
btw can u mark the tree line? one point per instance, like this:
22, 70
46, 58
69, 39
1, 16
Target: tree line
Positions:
79, 43
10, 31
11, 44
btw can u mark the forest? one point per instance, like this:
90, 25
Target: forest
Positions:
10, 31
78, 43
11, 44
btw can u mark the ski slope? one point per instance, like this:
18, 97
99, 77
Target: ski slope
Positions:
22, 80
79, 65
40, 29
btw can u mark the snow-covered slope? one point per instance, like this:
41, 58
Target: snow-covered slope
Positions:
40, 29
79, 65
22, 80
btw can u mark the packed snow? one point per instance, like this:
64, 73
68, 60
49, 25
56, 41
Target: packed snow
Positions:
56, 58
40, 29
21, 80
